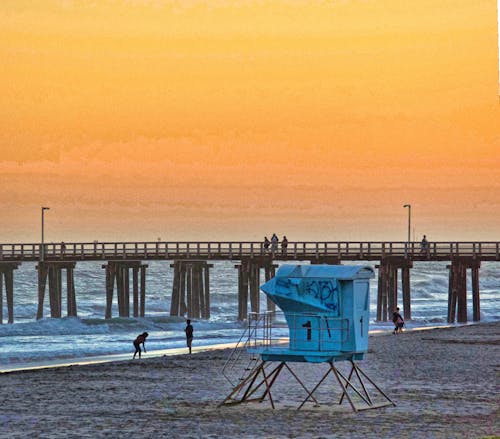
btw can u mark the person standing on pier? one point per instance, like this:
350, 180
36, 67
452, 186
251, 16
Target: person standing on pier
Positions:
274, 243
267, 243
424, 245
284, 245
141, 339
189, 334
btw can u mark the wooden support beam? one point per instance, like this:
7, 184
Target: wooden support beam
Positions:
189, 290
451, 294
1, 297
176, 291
126, 291
59, 291
42, 282
183, 304
195, 303
476, 311
405, 280
9, 293
462, 294
391, 286
380, 290
253, 281
135, 289
110, 286
119, 288
70, 293
268, 269
207, 291
201, 293
142, 304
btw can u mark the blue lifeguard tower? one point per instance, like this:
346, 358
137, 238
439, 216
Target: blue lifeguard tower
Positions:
326, 310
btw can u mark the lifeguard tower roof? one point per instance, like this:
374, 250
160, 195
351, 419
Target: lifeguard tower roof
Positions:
308, 288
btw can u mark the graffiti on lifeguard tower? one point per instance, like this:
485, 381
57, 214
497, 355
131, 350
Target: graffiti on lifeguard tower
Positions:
327, 292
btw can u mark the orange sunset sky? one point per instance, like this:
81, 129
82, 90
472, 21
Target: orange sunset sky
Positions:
229, 120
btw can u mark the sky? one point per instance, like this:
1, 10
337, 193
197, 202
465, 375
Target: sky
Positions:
221, 120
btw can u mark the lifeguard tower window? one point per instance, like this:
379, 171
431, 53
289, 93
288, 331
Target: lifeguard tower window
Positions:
308, 326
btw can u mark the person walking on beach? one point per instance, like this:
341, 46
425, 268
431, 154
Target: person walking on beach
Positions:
398, 321
189, 334
274, 243
141, 339
284, 245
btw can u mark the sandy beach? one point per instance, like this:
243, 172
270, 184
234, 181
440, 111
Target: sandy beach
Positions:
444, 383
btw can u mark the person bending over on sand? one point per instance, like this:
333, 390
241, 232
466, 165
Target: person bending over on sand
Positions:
137, 344
189, 334
398, 321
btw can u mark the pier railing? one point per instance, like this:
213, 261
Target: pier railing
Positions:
347, 250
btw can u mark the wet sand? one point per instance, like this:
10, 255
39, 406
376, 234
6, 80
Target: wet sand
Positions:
444, 382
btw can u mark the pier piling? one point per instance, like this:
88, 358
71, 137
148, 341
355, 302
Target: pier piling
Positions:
7, 281
119, 272
190, 289
52, 271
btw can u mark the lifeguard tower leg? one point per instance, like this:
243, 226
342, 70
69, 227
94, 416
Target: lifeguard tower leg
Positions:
354, 369
251, 387
310, 394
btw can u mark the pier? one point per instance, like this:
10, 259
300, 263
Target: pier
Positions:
191, 264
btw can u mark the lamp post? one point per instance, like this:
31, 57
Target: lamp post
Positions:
409, 220
42, 252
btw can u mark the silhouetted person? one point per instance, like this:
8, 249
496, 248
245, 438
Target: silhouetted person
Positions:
189, 334
267, 243
141, 339
284, 245
398, 321
274, 243
424, 245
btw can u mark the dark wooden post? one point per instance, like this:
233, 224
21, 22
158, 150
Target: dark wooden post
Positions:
201, 293
269, 270
242, 291
142, 305
253, 279
1, 297
126, 290
71, 296
405, 280
42, 282
135, 288
392, 289
110, 286
176, 292
380, 276
183, 304
476, 312
195, 305
189, 292
207, 291
452, 294
462, 293
59, 291
9, 292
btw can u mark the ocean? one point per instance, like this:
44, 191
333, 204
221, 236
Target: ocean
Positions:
29, 341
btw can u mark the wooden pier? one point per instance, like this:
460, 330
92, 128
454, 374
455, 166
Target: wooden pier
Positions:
191, 285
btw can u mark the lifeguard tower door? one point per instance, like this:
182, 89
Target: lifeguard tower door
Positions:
361, 314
